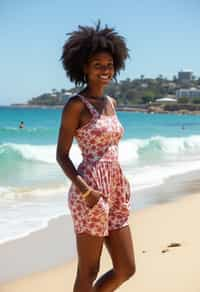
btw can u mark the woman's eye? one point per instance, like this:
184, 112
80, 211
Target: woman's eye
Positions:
108, 66
97, 66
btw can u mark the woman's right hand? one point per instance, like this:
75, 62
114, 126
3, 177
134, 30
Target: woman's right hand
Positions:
93, 198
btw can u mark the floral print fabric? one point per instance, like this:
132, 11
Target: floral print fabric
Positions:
98, 141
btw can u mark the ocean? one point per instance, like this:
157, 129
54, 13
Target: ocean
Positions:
33, 188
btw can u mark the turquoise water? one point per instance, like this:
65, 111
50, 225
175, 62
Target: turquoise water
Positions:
42, 125
143, 125
33, 188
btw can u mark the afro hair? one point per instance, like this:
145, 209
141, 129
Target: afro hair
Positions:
87, 41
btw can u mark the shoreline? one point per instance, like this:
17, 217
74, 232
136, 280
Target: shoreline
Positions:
45, 256
29, 251
164, 239
173, 188
156, 109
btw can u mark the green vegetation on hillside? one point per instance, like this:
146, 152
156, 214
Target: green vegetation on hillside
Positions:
127, 92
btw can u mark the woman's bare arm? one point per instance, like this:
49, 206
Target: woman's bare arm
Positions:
69, 123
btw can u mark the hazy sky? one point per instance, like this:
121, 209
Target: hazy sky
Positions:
163, 38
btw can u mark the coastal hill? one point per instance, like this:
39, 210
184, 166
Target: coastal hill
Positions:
142, 94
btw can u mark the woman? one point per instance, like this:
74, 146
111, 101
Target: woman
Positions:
99, 196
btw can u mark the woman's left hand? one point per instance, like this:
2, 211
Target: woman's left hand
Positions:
93, 198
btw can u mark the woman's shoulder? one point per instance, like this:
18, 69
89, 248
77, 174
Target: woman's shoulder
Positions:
74, 102
73, 106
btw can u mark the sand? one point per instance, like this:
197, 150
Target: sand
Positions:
159, 268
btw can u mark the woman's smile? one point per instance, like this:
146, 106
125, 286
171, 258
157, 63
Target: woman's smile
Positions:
100, 67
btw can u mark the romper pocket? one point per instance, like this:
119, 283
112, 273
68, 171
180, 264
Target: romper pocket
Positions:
99, 205
97, 218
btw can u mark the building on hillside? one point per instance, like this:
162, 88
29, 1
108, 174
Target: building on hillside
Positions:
190, 93
185, 76
165, 99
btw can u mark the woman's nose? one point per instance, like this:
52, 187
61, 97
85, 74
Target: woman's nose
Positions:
104, 68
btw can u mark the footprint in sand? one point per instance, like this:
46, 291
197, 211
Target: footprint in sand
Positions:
165, 250
173, 244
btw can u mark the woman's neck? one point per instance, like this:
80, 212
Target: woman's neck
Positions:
94, 92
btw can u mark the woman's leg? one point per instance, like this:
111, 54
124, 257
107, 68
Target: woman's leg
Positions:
120, 246
89, 250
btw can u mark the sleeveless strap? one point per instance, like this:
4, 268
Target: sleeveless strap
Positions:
113, 107
91, 108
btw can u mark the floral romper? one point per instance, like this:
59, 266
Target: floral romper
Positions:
98, 141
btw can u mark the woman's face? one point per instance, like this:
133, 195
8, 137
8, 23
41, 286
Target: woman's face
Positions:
99, 69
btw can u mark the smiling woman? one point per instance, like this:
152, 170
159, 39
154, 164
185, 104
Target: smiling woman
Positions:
100, 68
84, 43
99, 196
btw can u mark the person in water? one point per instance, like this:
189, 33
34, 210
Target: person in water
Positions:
21, 125
99, 195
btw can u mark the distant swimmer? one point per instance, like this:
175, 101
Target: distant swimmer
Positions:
21, 125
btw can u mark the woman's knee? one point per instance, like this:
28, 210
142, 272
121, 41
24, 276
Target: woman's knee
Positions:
130, 271
93, 272
124, 273
89, 273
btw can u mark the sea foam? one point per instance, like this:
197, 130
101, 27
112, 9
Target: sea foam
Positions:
130, 150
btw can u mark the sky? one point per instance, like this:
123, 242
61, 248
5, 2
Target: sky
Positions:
163, 38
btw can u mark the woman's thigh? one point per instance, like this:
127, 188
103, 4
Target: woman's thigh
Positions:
120, 246
89, 250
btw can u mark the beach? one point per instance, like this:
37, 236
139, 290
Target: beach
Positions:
166, 242
103, 104
160, 160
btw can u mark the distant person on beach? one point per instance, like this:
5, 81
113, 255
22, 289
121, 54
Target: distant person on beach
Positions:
21, 125
99, 195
